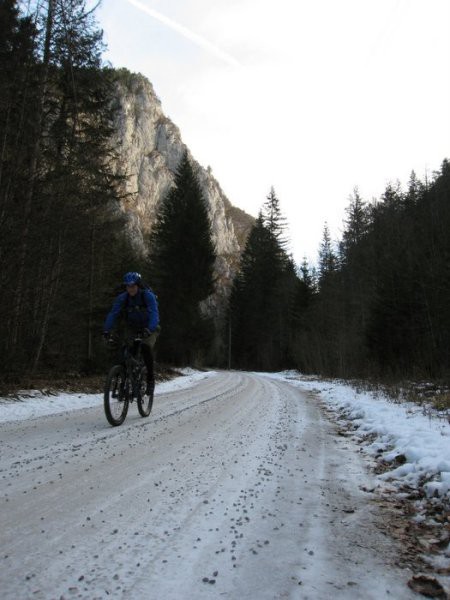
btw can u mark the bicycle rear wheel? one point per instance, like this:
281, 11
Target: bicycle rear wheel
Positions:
115, 398
144, 401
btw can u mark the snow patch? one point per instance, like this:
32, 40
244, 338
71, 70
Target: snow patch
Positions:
400, 430
33, 403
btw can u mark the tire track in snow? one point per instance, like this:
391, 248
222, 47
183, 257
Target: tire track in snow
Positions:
236, 487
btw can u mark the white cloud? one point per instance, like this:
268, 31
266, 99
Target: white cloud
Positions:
185, 32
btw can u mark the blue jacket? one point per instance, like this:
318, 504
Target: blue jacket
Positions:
140, 311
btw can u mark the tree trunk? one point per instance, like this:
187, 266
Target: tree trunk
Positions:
91, 292
34, 161
52, 287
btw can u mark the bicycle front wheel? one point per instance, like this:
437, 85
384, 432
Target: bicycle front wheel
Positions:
115, 398
144, 400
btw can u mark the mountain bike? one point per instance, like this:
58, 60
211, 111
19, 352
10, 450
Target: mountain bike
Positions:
125, 382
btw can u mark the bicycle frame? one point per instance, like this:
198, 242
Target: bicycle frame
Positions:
132, 359
125, 382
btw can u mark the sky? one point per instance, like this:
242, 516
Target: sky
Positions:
312, 97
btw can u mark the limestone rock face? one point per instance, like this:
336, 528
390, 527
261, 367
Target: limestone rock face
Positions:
149, 148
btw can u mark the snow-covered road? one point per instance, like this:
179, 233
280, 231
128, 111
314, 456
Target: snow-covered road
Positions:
237, 487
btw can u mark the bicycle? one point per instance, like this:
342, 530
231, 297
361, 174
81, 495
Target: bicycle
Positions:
125, 382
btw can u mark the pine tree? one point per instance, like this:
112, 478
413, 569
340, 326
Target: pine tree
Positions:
415, 189
263, 309
327, 256
78, 186
182, 267
274, 219
252, 302
356, 224
382, 309
306, 275
18, 102
60, 187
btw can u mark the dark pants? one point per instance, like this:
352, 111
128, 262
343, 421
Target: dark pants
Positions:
147, 355
147, 349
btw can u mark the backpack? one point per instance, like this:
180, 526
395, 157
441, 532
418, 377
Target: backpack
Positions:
141, 296
143, 304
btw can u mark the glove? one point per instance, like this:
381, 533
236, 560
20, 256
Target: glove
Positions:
107, 337
146, 333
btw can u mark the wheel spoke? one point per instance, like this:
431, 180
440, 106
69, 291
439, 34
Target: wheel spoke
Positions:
116, 396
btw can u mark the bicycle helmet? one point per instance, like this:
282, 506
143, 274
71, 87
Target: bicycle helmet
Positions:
132, 278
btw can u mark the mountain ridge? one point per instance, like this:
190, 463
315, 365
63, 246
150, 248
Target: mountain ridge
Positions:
149, 147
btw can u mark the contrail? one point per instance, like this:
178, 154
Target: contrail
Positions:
187, 33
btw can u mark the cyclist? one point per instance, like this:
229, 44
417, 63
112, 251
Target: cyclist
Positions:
138, 308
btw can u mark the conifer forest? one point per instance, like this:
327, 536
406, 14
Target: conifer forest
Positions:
376, 305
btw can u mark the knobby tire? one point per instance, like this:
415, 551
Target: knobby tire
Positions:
144, 403
115, 399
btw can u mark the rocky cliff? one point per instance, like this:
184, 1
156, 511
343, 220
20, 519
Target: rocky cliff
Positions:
149, 147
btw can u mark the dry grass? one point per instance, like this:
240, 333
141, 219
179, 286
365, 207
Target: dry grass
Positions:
429, 395
51, 385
